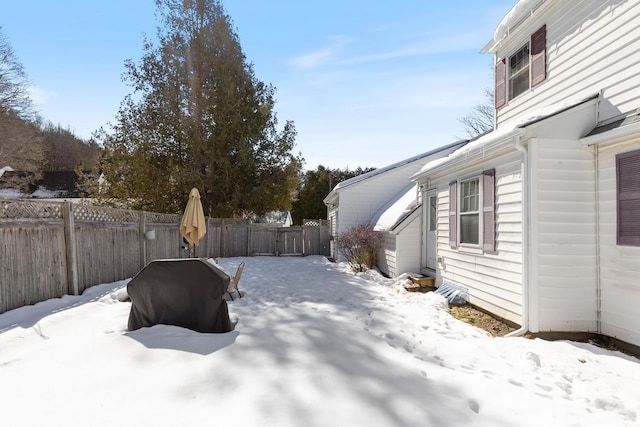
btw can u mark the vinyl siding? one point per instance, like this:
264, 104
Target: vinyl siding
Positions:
387, 254
563, 270
494, 281
409, 248
400, 253
360, 201
619, 266
592, 46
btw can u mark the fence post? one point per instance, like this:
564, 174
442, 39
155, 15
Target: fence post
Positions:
207, 253
70, 249
223, 232
142, 240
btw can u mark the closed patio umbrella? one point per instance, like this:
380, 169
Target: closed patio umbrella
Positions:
193, 226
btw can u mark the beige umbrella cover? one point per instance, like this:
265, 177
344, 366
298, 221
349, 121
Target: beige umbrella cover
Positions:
193, 226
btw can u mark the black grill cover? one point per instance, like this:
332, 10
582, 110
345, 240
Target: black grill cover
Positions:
183, 292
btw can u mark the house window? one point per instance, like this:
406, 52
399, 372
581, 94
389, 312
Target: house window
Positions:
469, 212
523, 70
433, 213
628, 198
475, 212
519, 72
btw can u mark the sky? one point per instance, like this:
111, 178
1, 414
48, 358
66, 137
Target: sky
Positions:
314, 345
367, 82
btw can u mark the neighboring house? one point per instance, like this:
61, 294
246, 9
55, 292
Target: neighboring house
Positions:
540, 219
357, 200
276, 219
4, 169
51, 185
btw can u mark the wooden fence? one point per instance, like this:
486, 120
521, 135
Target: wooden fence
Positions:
49, 249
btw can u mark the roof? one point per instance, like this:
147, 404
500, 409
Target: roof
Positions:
380, 171
4, 169
505, 132
397, 209
629, 120
512, 20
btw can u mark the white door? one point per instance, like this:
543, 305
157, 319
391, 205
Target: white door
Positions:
431, 222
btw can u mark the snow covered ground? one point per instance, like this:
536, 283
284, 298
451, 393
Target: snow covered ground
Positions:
314, 345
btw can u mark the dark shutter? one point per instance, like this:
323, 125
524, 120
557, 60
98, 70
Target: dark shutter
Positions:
489, 211
500, 78
453, 215
539, 56
628, 198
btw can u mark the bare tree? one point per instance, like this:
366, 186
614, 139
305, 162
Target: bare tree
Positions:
21, 146
13, 82
481, 117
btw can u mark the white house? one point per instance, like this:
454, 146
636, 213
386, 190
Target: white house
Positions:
358, 200
540, 219
399, 224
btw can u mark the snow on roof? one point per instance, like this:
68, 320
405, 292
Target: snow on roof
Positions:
504, 129
379, 171
515, 17
396, 209
4, 169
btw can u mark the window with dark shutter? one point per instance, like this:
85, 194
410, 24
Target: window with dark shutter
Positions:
453, 215
628, 198
500, 78
489, 211
539, 56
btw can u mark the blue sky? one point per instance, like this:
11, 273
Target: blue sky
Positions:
366, 82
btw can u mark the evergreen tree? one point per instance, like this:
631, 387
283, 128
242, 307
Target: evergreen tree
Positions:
314, 186
198, 118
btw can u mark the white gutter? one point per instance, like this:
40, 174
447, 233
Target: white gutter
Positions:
612, 135
525, 238
598, 260
474, 152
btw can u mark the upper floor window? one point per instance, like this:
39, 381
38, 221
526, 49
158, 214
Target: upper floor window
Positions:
519, 72
525, 68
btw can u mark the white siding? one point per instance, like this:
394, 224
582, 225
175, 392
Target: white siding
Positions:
387, 254
409, 247
332, 216
494, 281
592, 45
619, 265
400, 253
360, 201
563, 272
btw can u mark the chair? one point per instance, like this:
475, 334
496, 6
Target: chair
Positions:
233, 290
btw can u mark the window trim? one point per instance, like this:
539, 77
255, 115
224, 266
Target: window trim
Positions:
537, 67
477, 212
487, 221
525, 69
632, 195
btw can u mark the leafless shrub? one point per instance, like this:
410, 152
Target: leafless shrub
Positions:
359, 245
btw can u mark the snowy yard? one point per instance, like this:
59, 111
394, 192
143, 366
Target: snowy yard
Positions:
315, 345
